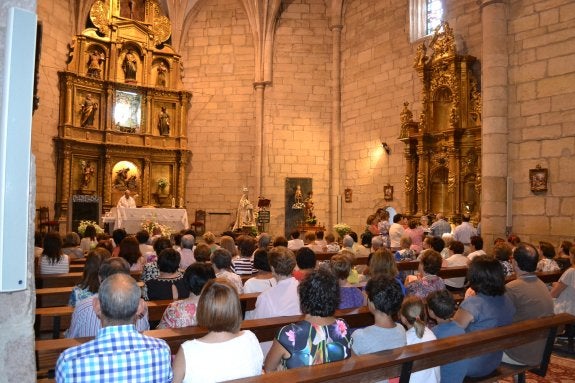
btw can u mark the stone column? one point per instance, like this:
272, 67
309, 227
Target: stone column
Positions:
336, 165
494, 128
261, 148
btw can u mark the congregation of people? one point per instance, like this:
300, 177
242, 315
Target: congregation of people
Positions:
204, 277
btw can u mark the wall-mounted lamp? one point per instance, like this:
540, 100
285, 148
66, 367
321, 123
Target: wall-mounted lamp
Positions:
386, 147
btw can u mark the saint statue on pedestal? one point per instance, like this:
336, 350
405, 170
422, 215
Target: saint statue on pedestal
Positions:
245, 214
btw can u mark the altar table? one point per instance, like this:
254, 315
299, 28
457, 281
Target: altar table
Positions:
131, 219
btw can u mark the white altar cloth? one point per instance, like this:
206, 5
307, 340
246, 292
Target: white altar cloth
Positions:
131, 219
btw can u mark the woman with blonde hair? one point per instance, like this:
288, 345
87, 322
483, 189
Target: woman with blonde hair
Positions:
382, 262
199, 360
210, 240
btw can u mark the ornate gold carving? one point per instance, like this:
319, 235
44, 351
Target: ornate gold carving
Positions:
443, 42
420, 183
408, 183
99, 16
420, 56
161, 25
406, 117
475, 97
451, 182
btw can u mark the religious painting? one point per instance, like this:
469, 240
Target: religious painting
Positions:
538, 179
388, 192
128, 112
348, 193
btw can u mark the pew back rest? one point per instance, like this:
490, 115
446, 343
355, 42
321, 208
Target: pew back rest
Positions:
402, 361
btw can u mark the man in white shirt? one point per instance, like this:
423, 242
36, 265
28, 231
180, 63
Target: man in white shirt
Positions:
456, 259
281, 299
476, 247
126, 200
295, 243
396, 231
464, 232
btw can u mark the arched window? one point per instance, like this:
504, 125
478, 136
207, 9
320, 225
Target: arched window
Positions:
424, 16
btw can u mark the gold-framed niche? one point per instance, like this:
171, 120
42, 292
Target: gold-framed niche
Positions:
443, 149
123, 113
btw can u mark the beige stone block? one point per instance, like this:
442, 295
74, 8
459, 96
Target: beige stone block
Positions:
534, 205
549, 17
526, 91
530, 149
561, 65
531, 225
564, 226
531, 71
540, 132
556, 85
567, 12
551, 49
558, 147
567, 207
538, 106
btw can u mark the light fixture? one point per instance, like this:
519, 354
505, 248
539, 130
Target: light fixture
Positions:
386, 147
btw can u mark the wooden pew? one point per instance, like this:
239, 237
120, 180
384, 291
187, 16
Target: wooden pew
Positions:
47, 351
405, 360
56, 319
68, 279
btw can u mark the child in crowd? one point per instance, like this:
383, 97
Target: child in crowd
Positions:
384, 297
441, 307
547, 263
413, 316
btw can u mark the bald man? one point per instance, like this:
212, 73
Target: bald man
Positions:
119, 353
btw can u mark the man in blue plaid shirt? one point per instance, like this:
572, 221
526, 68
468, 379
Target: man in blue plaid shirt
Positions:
119, 353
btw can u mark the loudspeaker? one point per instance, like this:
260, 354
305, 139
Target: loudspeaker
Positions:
15, 138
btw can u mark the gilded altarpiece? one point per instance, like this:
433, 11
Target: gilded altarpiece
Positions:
122, 122
443, 146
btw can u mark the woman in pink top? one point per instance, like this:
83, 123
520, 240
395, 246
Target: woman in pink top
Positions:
416, 234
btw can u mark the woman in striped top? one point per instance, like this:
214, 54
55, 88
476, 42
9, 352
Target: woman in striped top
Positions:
53, 261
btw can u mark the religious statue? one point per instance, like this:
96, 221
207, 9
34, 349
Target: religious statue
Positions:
130, 66
162, 72
421, 56
309, 207
88, 110
298, 199
164, 122
245, 215
87, 173
121, 180
94, 64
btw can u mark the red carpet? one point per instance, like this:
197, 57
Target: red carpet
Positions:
561, 370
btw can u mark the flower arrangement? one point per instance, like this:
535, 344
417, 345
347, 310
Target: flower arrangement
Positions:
163, 183
342, 229
151, 225
83, 224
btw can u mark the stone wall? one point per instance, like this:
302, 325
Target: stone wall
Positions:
218, 59
57, 23
219, 67
541, 45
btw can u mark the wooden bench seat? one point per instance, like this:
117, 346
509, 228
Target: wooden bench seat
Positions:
405, 360
56, 319
47, 351
67, 279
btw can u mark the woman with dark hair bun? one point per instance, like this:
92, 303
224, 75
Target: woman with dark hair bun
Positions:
320, 337
488, 308
169, 284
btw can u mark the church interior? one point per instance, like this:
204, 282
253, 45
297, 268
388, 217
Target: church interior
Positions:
358, 104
